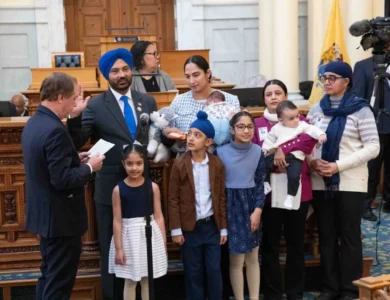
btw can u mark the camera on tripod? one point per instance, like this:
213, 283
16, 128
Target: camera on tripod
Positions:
375, 33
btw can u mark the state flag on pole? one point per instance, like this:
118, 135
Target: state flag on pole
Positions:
333, 49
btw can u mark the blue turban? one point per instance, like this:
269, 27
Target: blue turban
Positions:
109, 58
340, 68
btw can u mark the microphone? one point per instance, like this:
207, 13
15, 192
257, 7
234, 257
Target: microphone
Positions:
144, 119
360, 27
144, 136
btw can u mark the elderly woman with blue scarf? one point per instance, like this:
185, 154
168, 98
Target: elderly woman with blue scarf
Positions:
339, 179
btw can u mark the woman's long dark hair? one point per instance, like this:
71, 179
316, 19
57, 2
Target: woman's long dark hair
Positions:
276, 82
138, 51
200, 61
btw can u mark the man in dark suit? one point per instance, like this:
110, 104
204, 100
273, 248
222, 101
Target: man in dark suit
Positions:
8, 109
363, 83
55, 179
115, 117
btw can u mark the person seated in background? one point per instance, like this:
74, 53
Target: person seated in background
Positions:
146, 61
20, 105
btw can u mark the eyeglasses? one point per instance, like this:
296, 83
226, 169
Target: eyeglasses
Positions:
330, 78
155, 54
242, 127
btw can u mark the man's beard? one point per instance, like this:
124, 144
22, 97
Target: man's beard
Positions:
121, 87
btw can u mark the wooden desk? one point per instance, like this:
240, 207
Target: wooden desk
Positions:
86, 76
183, 88
108, 43
163, 98
34, 100
172, 62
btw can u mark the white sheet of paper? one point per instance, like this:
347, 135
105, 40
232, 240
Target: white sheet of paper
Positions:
100, 147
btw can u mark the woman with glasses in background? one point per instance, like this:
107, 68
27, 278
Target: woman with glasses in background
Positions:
339, 179
147, 61
274, 220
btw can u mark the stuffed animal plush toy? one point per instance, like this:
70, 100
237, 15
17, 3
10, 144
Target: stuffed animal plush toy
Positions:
160, 120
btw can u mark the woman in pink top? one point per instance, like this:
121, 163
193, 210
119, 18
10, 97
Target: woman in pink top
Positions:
292, 221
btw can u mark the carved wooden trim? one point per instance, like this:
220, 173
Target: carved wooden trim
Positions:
19, 249
10, 136
10, 161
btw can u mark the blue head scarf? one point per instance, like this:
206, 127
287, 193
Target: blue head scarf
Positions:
109, 58
349, 104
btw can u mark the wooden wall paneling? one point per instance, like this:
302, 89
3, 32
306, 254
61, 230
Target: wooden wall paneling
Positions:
160, 20
71, 19
91, 25
149, 11
86, 21
168, 24
115, 17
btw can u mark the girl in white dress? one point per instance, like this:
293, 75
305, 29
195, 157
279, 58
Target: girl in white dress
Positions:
128, 254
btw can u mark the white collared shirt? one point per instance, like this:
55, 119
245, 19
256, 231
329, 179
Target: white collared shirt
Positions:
122, 105
203, 200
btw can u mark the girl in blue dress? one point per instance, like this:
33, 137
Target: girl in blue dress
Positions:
245, 172
128, 254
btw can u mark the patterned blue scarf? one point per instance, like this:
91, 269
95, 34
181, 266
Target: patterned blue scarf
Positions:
331, 149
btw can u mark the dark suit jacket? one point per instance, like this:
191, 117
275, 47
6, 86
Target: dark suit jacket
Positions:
55, 179
181, 200
104, 119
8, 109
363, 83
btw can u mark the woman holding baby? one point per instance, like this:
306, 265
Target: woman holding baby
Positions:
186, 106
274, 219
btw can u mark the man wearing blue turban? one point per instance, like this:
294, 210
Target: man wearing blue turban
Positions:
113, 116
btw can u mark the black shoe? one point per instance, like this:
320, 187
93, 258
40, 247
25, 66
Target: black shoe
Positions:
369, 215
325, 296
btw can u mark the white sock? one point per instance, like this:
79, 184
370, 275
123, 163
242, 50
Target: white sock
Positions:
267, 188
289, 201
